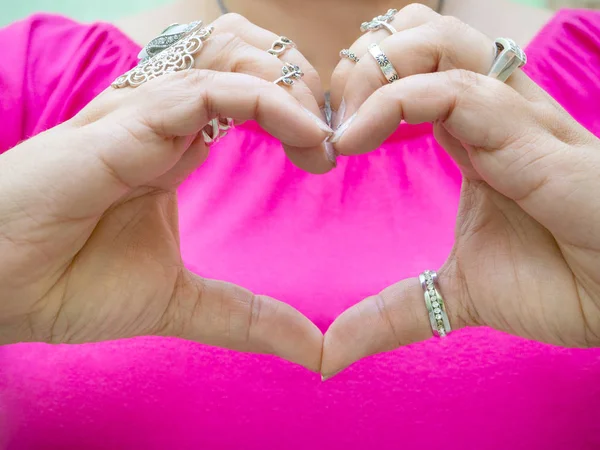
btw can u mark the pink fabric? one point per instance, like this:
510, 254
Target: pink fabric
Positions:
320, 243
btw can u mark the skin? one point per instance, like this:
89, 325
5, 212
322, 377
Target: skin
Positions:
330, 25
527, 243
90, 250
89, 239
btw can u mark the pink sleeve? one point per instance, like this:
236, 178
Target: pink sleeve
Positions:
569, 67
52, 67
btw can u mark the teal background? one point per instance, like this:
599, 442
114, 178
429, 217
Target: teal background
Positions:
87, 10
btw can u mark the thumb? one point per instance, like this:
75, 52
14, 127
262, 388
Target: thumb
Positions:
395, 317
225, 315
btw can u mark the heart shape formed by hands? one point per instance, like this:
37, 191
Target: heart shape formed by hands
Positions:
91, 247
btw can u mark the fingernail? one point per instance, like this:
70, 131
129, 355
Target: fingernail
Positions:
335, 138
338, 116
320, 123
329, 377
331, 152
326, 114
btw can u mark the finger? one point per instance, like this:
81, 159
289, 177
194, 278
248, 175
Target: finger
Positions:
531, 153
395, 317
411, 16
145, 138
440, 45
225, 315
474, 108
227, 52
263, 39
436, 46
230, 52
195, 155
180, 105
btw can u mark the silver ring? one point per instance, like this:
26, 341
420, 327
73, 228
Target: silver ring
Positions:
168, 37
438, 317
384, 63
380, 22
218, 130
177, 57
346, 53
289, 72
280, 46
508, 58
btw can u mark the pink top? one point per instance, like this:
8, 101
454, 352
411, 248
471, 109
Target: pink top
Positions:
320, 243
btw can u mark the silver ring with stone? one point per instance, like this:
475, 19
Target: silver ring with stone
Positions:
346, 53
508, 58
176, 57
280, 46
166, 38
436, 308
379, 22
289, 73
384, 63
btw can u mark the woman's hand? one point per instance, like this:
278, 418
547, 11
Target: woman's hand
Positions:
89, 243
527, 254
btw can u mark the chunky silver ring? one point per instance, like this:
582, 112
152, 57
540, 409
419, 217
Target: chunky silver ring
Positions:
380, 22
346, 53
281, 45
384, 63
168, 37
438, 317
508, 58
289, 72
216, 130
178, 57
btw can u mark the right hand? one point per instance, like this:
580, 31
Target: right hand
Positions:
89, 241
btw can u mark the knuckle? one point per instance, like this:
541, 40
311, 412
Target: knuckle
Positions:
417, 9
382, 301
197, 81
247, 308
173, 89
311, 75
197, 77
255, 303
234, 53
449, 25
463, 79
243, 62
229, 43
231, 21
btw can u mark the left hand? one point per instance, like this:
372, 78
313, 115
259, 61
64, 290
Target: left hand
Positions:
527, 253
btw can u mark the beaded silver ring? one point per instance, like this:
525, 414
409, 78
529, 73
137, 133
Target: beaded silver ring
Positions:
438, 317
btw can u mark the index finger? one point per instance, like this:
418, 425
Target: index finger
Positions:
476, 109
408, 17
